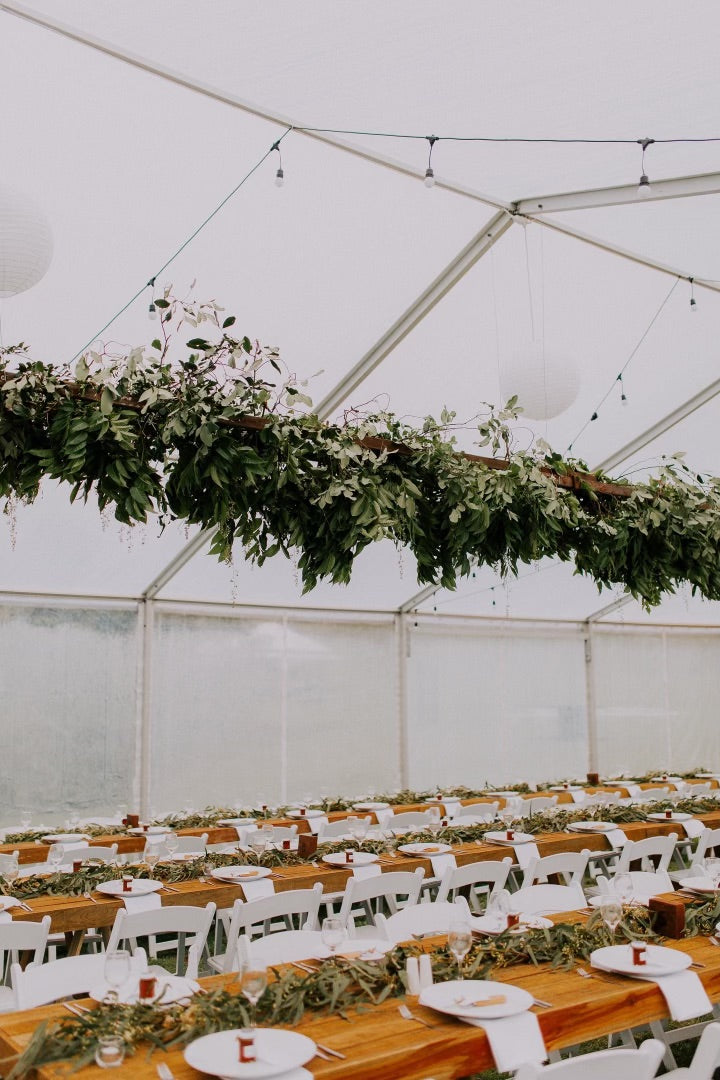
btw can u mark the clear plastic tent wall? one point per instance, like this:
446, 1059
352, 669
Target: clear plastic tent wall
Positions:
132, 675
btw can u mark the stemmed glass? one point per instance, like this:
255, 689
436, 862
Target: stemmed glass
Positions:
117, 971
9, 869
507, 815
333, 934
459, 942
172, 843
151, 857
623, 887
434, 825
56, 854
712, 869
25, 821
611, 912
253, 980
498, 907
358, 829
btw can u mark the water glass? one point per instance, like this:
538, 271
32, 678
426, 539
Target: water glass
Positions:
110, 1052
253, 980
56, 854
333, 933
151, 857
623, 887
611, 912
459, 942
172, 843
9, 869
712, 869
116, 971
498, 907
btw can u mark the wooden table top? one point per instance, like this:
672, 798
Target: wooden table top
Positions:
380, 1045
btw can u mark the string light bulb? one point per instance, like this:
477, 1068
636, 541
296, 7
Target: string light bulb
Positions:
693, 302
152, 312
279, 175
644, 189
623, 395
429, 174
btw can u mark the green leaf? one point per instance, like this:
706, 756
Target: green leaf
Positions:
107, 399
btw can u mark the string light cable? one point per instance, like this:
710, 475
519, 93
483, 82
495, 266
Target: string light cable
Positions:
151, 282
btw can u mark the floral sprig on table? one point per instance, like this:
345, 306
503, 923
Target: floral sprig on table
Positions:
337, 987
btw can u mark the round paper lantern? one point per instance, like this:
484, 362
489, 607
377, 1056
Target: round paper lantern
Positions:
545, 386
26, 243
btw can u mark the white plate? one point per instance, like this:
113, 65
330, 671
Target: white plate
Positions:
65, 838
561, 787
487, 924
371, 806
152, 830
707, 776
675, 817
308, 814
169, 989
501, 795
241, 873
360, 858
660, 961
425, 849
455, 998
665, 779
636, 899
140, 887
501, 838
697, 884
277, 1051
592, 826
186, 856
233, 822
359, 949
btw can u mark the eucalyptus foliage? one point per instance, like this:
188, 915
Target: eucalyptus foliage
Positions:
214, 433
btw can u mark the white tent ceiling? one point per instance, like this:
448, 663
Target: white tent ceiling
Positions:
127, 164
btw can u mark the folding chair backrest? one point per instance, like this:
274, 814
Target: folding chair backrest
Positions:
708, 845
413, 819
485, 810
476, 880
653, 853
640, 1064
569, 865
548, 899
255, 918
17, 937
281, 948
40, 984
388, 888
181, 920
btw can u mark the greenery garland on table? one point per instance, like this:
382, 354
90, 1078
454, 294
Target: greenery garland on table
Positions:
212, 433
337, 987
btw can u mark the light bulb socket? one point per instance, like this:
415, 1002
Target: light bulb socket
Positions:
623, 398
429, 177
279, 178
644, 188
693, 303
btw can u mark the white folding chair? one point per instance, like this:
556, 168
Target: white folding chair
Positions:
366, 897
255, 918
706, 1058
178, 920
422, 919
335, 829
412, 819
697, 791
478, 882
548, 899
652, 794
640, 1064
652, 854
17, 937
192, 845
40, 984
645, 883
282, 948
708, 844
602, 798
537, 805
568, 865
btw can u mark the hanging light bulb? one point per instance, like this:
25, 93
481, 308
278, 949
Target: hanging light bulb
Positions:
152, 312
693, 303
644, 190
429, 174
279, 178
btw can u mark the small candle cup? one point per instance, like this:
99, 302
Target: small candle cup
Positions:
668, 813
349, 856
246, 1045
513, 919
510, 834
286, 845
77, 866
303, 811
127, 883
639, 953
110, 1052
147, 985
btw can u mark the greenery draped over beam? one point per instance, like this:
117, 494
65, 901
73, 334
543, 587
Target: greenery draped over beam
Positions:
215, 433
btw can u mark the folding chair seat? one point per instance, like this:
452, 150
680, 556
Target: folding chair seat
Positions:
256, 918
422, 919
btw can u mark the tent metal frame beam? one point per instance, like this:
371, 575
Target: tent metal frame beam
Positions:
197, 86
422, 306
417, 599
608, 609
676, 187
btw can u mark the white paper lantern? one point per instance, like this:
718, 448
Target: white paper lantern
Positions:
26, 243
545, 385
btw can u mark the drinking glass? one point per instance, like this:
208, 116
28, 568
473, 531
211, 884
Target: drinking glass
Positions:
116, 971
507, 815
434, 825
257, 844
110, 1052
712, 869
623, 887
172, 843
267, 832
459, 942
352, 824
253, 981
498, 907
359, 829
333, 933
56, 854
611, 912
151, 857
9, 869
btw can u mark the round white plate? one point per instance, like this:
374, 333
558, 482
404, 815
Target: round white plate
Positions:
140, 887
456, 999
660, 961
665, 779
487, 924
706, 776
675, 817
591, 826
358, 949
307, 814
424, 849
168, 990
371, 806
502, 794
186, 856
233, 822
697, 884
241, 873
360, 858
277, 1051
152, 830
519, 838
561, 787
636, 899
65, 838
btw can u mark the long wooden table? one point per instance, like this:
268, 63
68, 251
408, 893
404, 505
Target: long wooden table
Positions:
380, 1045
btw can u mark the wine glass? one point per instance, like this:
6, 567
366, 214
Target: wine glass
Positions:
623, 887
25, 821
172, 843
116, 971
459, 941
151, 857
267, 832
56, 854
253, 981
507, 815
257, 844
359, 829
434, 825
712, 869
611, 912
352, 824
333, 933
498, 907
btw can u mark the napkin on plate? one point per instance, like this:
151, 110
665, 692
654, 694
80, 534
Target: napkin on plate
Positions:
693, 828
316, 822
254, 890
440, 863
148, 902
371, 870
514, 1040
685, 995
525, 853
